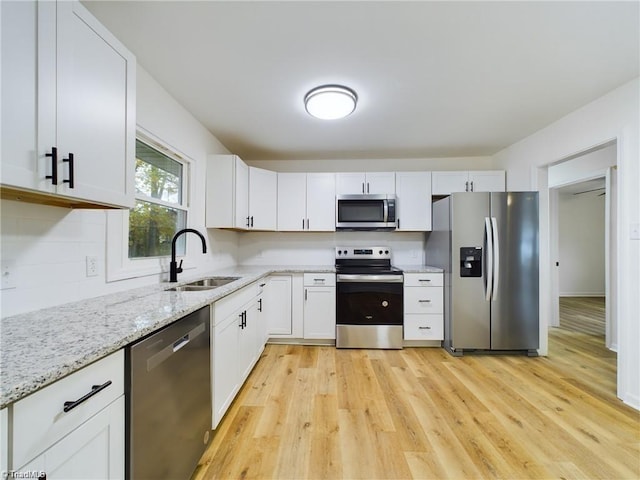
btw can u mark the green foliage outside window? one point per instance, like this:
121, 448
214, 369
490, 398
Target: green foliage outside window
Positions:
155, 219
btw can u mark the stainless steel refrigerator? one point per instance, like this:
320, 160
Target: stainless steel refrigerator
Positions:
487, 245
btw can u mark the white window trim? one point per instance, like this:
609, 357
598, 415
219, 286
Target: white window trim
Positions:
118, 264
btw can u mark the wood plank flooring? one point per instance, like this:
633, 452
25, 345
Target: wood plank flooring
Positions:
309, 412
583, 314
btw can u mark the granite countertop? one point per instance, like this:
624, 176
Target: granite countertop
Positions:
419, 269
37, 348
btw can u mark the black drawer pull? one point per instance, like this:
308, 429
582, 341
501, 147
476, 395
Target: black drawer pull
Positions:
94, 390
424, 328
424, 301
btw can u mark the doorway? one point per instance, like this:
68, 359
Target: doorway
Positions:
583, 229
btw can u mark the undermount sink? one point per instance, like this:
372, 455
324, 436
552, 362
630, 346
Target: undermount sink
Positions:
204, 284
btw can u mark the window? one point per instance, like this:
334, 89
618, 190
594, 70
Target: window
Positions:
138, 240
159, 211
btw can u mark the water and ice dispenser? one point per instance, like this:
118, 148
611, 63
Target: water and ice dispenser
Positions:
471, 261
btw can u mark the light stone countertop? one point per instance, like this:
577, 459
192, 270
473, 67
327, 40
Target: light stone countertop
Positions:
419, 269
37, 348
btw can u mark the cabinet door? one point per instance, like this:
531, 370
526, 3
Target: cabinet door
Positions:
95, 118
277, 305
240, 194
350, 183
292, 193
413, 190
320, 312
22, 37
248, 340
94, 450
225, 365
263, 196
321, 202
445, 183
383, 183
487, 181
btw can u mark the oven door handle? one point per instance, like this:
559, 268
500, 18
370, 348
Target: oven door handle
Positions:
343, 278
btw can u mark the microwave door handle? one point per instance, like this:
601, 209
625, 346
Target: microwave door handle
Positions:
385, 211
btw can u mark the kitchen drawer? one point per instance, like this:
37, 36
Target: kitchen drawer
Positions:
228, 305
423, 280
424, 327
319, 280
39, 419
423, 300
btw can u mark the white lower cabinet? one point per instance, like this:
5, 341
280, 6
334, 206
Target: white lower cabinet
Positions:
319, 306
278, 305
423, 306
85, 441
237, 342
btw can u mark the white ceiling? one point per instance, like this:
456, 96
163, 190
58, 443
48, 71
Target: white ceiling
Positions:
434, 79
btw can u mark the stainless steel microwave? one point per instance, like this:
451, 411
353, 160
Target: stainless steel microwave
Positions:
365, 212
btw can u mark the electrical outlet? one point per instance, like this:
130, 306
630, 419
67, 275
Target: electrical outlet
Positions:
92, 266
635, 231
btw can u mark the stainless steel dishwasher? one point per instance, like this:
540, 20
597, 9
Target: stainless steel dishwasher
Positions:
169, 399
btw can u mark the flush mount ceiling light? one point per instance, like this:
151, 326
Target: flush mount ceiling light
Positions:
330, 102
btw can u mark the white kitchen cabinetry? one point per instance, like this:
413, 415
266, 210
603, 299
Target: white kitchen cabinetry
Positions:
263, 194
239, 197
68, 107
319, 306
238, 341
277, 300
445, 183
369, 182
86, 441
306, 202
413, 210
423, 306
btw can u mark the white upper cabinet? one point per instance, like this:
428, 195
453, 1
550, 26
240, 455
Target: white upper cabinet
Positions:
445, 183
68, 106
370, 182
306, 202
263, 186
413, 210
238, 196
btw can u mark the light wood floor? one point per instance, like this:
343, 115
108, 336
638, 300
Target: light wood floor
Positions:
583, 314
322, 413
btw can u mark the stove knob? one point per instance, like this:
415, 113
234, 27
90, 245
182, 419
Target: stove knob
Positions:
386, 252
339, 252
380, 252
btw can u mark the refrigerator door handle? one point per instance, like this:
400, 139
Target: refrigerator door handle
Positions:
496, 258
489, 259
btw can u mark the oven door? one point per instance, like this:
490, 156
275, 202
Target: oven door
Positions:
369, 300
369, 311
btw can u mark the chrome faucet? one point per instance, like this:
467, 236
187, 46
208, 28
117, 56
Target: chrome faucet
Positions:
174, 268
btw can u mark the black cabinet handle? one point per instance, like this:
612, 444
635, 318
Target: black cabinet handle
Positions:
95, 389
54, 165
71, 175
247, 222
259, 304
244, 319
251, 221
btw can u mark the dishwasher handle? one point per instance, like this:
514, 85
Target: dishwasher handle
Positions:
178, 344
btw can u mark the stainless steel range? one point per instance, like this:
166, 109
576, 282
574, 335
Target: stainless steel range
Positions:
369, 300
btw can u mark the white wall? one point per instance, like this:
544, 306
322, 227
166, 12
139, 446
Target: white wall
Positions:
46, 246
614, 116
581, 244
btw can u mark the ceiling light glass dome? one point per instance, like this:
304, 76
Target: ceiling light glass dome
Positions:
330, 102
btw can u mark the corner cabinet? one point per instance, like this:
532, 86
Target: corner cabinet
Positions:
445, 183
306, 202
68, 107
239, 197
